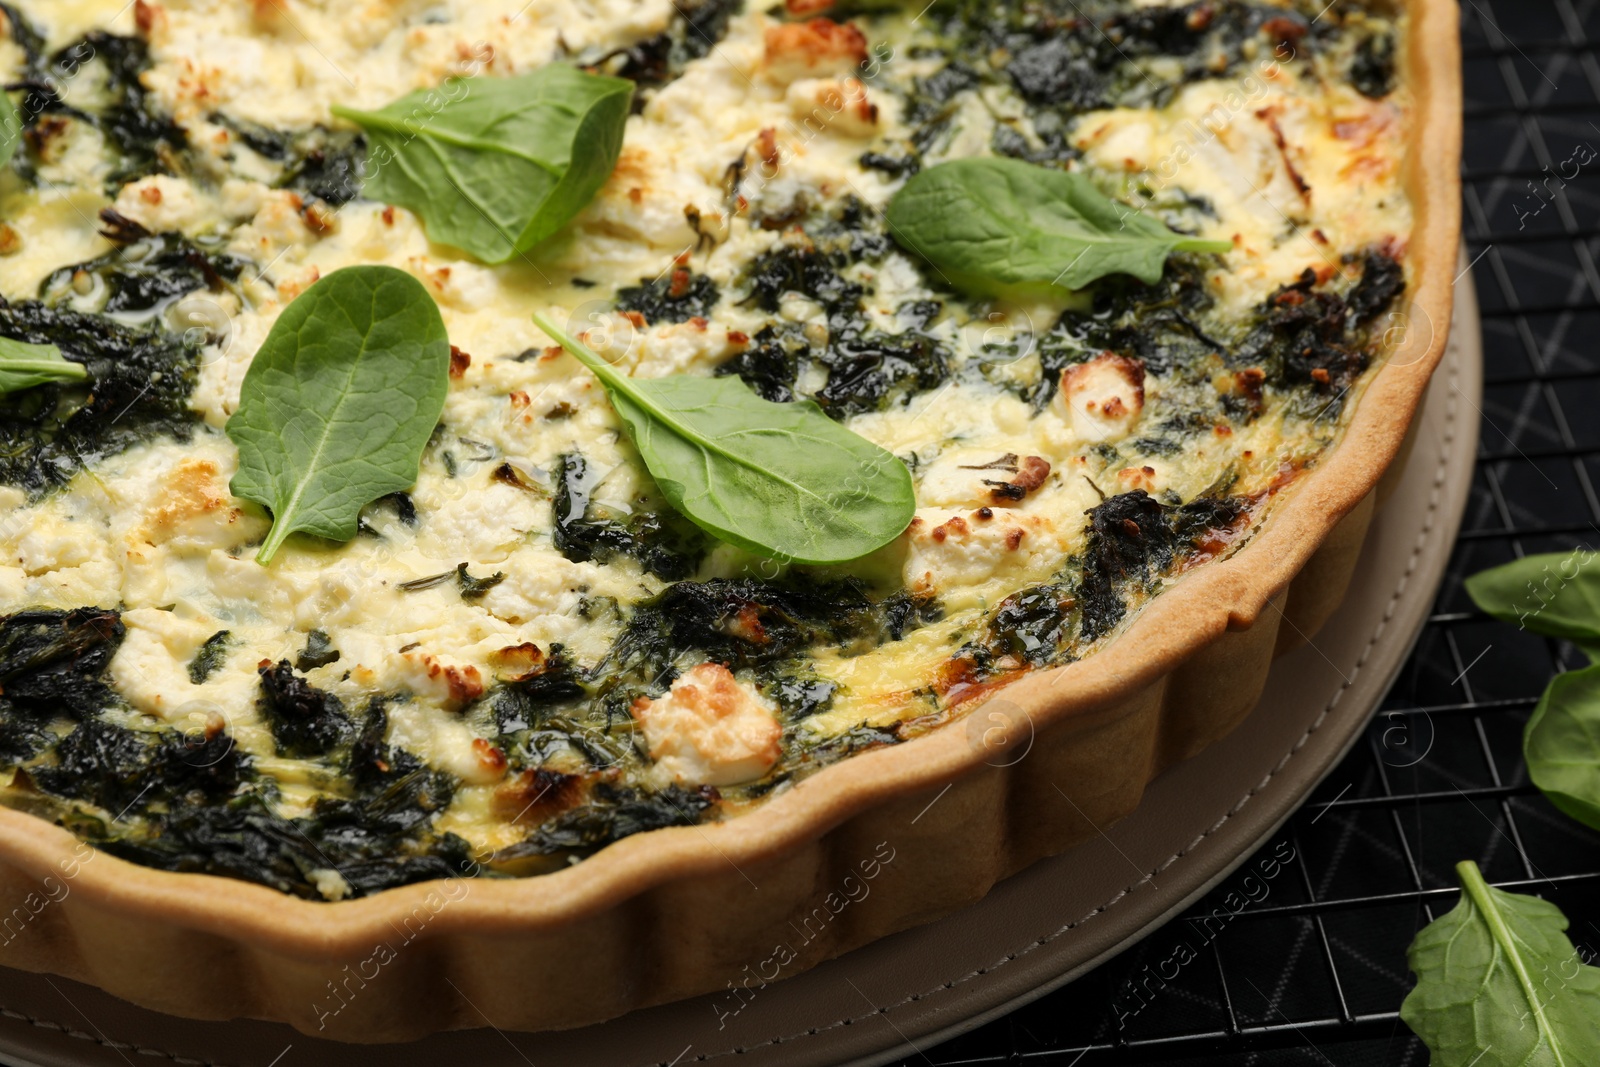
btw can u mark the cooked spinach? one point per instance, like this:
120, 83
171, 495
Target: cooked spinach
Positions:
871, 369
664, 545
867, 368
476, 588
212, 655
194, 802
801, 696
527, 702
906, 611
1372, 67
143, 275
469, 587
612, 813
1134, 540
771, 365
1313, 341
677, 296
319, 652
1159, 325
1068, 56
1035, 626
305, 721
373, 843
53, 662
807, 270
744, 623
141, 384
318, 162
1309, 340
695, 30
124, 771
768, 628
326, 165
145, 140
24, 34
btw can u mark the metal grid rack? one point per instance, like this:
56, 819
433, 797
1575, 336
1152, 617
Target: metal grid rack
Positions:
1312, 970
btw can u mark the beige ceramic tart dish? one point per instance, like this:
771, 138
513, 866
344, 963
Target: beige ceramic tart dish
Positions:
931, 824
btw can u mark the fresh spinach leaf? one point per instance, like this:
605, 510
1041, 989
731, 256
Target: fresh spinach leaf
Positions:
1561, 744
10, 128
782, 480
1007, 227
340, 401
496, 165
1556, 594
23, 366
1500, 985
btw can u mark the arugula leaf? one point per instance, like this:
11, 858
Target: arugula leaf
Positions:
23, 366
1500, 985
1004, 226
781, 480
496, 165
340, 401
10, 128
1556, 594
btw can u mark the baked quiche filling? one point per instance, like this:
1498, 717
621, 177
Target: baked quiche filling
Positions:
537, 647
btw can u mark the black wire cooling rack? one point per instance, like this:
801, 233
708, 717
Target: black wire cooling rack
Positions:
1312, 970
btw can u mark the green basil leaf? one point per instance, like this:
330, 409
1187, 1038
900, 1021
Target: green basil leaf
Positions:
10, 128
339, 402
781, 480
1500, 985
23, 366
1003, 226
1556, 594
1562, 744
496, 165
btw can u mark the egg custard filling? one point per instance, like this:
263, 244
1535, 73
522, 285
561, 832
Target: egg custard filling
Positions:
531, 652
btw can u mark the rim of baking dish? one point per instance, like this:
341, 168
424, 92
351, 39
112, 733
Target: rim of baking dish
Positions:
1221, 595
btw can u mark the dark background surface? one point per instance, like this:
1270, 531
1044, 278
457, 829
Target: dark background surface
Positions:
1312, 970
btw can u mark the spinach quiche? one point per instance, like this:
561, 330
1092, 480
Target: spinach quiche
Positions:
447, 438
